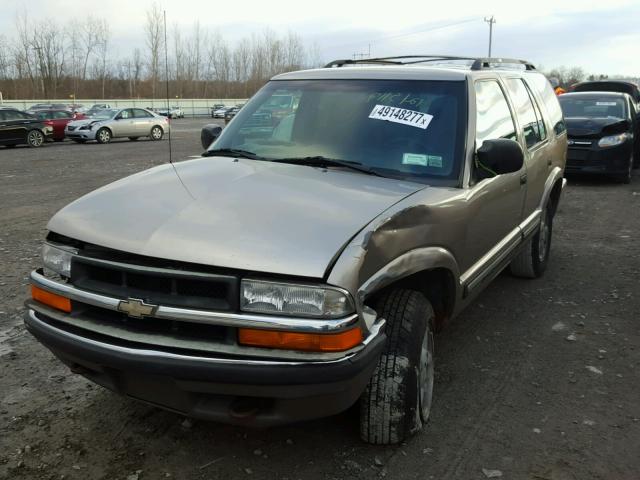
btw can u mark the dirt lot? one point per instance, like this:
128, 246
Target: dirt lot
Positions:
538, 379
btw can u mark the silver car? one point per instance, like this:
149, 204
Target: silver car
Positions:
113, 123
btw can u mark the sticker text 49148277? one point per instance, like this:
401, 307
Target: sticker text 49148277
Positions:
401, 115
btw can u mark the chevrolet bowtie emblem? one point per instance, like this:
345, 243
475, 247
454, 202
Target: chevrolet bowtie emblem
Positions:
136, 308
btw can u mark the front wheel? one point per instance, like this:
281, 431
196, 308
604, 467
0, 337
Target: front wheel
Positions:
156, 133
397, 400
35, 138
532, 260
626, 177
103, 135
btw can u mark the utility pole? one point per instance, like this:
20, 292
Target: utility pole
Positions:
490, 20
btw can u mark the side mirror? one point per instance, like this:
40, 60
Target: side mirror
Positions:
500, 156
209, 133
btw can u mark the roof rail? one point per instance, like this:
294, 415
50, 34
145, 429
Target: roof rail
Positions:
479, 63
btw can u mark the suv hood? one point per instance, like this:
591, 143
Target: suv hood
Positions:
244, 214
595, 127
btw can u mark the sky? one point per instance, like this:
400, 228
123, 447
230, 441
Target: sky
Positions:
599, 36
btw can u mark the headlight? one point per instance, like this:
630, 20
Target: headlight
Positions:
291, 299
58, 258
613, 140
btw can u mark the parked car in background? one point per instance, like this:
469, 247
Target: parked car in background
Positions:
621, 87
39, 106
17, 128
98, 107
221, 112
173, 112
58, 119
215, 107
601, 130
229, 114
116, 123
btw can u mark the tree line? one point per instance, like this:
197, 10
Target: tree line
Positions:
46, 60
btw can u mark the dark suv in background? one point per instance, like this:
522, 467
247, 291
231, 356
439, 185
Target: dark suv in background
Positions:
17, 128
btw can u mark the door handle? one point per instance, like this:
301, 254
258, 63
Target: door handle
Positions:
523, 179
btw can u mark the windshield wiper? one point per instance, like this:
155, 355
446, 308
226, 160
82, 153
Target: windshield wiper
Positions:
232, 152
320, 161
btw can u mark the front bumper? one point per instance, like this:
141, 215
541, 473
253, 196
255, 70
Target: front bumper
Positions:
594, 159
81, 134
242, 391
222, 381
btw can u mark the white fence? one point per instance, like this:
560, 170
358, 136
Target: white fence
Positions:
192, 107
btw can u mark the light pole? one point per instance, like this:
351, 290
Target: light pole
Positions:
490, 20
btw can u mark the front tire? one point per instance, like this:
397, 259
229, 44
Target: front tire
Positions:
532, 260
626, 177
397, 400
103, 135
156, 133
35, 138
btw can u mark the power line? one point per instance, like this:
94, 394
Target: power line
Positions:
387, 37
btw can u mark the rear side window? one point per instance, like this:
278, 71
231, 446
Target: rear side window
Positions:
493, 117
542, 87
139, 113
532, 125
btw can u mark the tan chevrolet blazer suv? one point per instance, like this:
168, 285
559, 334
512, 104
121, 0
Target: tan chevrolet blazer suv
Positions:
305, 261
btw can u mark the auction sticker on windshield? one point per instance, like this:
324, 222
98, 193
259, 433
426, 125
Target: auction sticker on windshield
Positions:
401, 115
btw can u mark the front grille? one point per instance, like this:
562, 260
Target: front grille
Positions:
159, 286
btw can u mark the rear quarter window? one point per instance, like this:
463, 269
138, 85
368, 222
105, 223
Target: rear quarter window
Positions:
539, 84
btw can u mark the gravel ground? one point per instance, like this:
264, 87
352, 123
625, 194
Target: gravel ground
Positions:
536, 380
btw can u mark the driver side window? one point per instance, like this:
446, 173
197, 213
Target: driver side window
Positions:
493, 116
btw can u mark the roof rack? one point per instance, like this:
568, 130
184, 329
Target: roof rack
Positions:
479, 63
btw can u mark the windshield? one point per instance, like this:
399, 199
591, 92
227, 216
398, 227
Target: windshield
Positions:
592, 106
397, 128
104, 114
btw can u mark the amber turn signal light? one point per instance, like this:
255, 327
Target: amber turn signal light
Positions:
51, 299
310, 342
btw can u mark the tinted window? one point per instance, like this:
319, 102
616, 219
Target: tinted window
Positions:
493, 118
62, 114
542, 128
543, 88
398, 128
13, 115
139, 113
525, 111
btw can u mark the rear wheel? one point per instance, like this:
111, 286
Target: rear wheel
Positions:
397, 401
103, 135
35, 138
156, 133
532, 260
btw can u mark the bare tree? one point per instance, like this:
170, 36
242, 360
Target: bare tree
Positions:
155, 41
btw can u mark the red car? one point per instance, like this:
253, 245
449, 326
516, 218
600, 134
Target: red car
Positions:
58, 119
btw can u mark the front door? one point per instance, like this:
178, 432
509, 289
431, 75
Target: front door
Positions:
124, 126
496, 202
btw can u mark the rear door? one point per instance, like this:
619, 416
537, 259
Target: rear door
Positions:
143, 121
16, 125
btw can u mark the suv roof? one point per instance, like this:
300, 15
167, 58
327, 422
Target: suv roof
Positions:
411, 67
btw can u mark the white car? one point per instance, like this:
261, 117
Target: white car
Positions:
113, 123
173, 112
